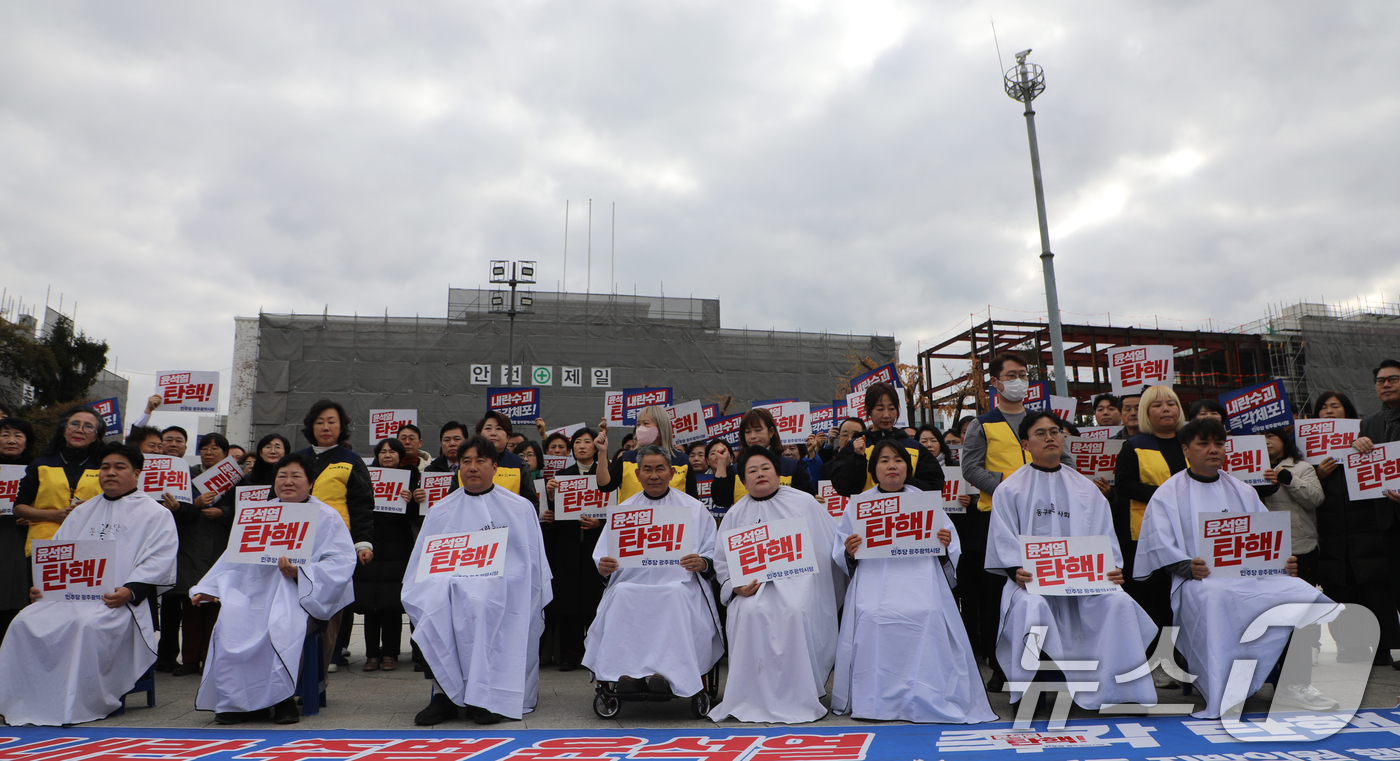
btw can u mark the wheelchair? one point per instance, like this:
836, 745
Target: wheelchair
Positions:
607, 702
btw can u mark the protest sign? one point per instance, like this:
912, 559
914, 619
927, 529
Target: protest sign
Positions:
1246, 458
1068, 566
163, 474
1099, 431
242, 495
1257, 409
474, 553
644, 536
568, 430
74, 570
903, 524
727, 428
437, 485
1371, 475
835, 503
553, 464
704, 491
9, 487
265, 531
385, 424
711, 412
612, 407
855, 405
634, 399
1095, 458
839, 411
823, 419
388, 484
578, 496
111, 412
771, 551
1064, 407
1130, 368
953, 487
793, 420
1244, 544
883, 374
224, 475
1316, 439
520, 405
188, 391
687, 422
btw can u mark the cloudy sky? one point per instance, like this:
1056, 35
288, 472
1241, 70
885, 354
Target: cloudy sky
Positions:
825, 166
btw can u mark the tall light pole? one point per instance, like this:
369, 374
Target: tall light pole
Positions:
1024, 82
512, 273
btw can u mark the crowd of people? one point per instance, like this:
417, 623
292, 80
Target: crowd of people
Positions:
901, 638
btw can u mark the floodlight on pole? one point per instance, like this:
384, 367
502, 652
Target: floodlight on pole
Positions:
1024, 82
520, 302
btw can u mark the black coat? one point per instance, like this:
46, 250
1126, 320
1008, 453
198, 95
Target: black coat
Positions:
379, 583
14, 566
578, 587
1348, 533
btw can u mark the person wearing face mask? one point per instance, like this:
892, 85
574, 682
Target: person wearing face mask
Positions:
16, 448
852, 476
653, 427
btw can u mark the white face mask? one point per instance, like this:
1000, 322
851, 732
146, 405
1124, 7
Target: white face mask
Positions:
1015, 390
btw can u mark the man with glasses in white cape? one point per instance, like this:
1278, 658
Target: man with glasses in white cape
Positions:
1047, 499
265, 612
67, 662
1214, 613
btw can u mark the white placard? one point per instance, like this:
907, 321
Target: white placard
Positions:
1132, 367
1317, 438
832, 499
643, 536
188, 391
385, 424
1246, 458
242, 495
1068, 566
900, 525
612, 407
474, 553
437, 486
388, 483
687, 422
1064, 407
553, 464
1372, 474
1244, 544
578, 496
163, 474
1095, 458
224, 475
266, 531
1099, 431
771, 551
74, 570
10, 476
953, 487
794, 421
541, 496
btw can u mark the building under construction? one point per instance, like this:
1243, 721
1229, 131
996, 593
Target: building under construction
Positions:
283, 363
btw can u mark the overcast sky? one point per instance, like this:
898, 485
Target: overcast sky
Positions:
843, 166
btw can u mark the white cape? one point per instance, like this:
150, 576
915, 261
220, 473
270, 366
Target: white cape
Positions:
255, 649
70, 662
481, 636
782, 640
658, 620
1214, 613
904, 653
1110, 628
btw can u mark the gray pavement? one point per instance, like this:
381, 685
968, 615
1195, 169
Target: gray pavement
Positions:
389, 700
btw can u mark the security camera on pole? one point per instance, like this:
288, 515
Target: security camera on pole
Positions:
523, 302
1024, 82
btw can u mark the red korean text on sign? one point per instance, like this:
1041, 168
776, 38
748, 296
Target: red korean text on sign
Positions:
1090, 457
834, 501
1244, 461
1318, 437
843, 747
160, 477
1232, 542
224, 478
573, 496
636, 533
452, 554
757, 549
1373, 468
952, 489
437, 485
383, 490
122, 749
177, 389
262, 530
59, 568
577, 749
701, 748
318, 749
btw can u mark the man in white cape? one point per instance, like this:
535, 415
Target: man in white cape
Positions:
1214, 613
657, 628
255, 649
904, 654
782, 633
1109, 629
480, 636
67, 662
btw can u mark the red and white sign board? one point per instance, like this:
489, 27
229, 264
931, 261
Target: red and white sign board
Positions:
1064, 407
834, 502
385, 424
1132, 367
1316, 439
1099, 431
794, 420
1246, 458
389, 483
224, 475
1236, 545
578, 496
953, 487
898, 525
612, 407
687, 422
1095, 458
640, 536
437, 485
266, 531
1372, 474
183, 391
74, 570
475, 553
771, 551
163, 474
553, 464
245, 494
10, 476
1068, 566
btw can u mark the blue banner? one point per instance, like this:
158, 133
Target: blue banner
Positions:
111, 412
711, 412
634, 399
883, 374
726, 428
521, 405
1256, 409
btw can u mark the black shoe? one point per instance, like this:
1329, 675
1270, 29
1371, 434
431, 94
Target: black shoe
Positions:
657, 685
232, 717
626, 685
1382, 659
439, 710
417, 665
486, 717
184, 670
166, 666
286, 712
567, 665
996, 683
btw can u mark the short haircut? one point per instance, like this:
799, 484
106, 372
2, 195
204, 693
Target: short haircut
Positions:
501, 420
1348, 408
878, 391
692, 445
217, 439
131, 454
533, 446
855, 420
760, 418
1031, 418
139, 434
409, 427
557, 435
176, 429
293, 458
393, 444
873, 456
1112, 400
1209, 429
1126, 397
580, 433
751, 452
308, 423
1290, 445
483, 448
1153, 394
268, 439
937, 434
514, 434
652, 450
999, 361
1385, 363
1210, 405
27, 430
451, 425
960, 427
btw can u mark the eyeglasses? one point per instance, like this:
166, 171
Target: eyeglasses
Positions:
1388, 380
1015, 376
78, 425
1048, 434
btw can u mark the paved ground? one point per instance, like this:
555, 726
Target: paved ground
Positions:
379, 700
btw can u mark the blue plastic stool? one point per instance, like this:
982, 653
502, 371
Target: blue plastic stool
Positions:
146, 684
311, 688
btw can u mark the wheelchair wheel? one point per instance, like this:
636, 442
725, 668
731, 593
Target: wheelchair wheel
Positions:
700, 704
606, 707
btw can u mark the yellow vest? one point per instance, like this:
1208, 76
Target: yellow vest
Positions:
54, 494
331, 486
506, 478
1154, 471
631, 485
1004, 455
